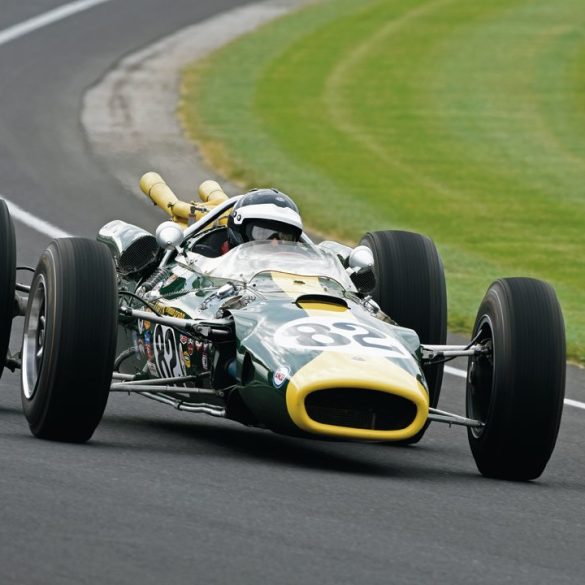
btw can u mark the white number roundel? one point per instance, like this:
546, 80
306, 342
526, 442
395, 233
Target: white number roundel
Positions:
167, 352
331, 334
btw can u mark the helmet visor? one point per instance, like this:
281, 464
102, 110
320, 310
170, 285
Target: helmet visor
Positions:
259, 232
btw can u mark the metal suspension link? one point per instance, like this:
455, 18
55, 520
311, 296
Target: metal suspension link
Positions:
453, 419
431, 353
13, 361
181, 405
20, 305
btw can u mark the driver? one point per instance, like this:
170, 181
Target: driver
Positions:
263, 214
260, 214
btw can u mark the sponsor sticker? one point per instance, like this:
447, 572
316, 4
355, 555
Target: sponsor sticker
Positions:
280, 376
169, 311
186, 359
148, 346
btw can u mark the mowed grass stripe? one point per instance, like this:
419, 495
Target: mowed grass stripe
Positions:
462, 120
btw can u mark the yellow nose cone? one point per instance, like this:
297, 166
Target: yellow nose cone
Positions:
357, 397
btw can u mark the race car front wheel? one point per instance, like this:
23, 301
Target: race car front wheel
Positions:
7, 279
69, 340
517, 387
410, 288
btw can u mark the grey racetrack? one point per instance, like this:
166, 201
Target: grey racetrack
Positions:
164, 497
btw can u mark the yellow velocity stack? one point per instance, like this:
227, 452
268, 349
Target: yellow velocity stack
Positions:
182, 212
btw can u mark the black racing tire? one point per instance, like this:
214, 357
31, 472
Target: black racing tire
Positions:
69, 340
518, 391
410, 288
7, 279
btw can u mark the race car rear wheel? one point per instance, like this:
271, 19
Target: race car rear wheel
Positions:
69, 340
7, 279
517, 389
410, 288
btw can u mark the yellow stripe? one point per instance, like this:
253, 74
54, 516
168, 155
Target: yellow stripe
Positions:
294, 285
312, 306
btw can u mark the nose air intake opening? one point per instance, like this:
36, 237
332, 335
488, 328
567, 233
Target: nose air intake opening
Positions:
360, 409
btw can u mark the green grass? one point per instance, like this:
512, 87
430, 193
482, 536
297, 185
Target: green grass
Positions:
462, 120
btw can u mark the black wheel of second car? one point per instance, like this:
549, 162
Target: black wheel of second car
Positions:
69, 340
7, 279
516, 388
410, 288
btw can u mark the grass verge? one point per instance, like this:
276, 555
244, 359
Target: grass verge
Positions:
462, 120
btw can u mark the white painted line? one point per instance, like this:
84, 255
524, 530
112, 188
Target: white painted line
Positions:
575, 403
23, 28
455, 372
463, 374
39, 225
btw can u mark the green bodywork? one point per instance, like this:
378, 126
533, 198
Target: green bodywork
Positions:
251, 371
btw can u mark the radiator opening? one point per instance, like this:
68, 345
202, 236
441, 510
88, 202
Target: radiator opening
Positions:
361, 409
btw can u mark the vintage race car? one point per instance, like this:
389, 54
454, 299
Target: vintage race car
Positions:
320, 341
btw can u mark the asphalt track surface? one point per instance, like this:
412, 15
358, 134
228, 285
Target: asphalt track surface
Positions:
165, 497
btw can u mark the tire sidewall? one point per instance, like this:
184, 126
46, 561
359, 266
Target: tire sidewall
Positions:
36, 408
491, 314
7, 279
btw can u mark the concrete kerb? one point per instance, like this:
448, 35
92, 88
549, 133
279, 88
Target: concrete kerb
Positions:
130, 115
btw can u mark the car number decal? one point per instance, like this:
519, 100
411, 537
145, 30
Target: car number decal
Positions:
330, 334
167, 352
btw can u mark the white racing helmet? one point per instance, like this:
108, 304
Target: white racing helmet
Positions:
264, 214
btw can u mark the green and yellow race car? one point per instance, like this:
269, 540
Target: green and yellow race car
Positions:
231, 310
